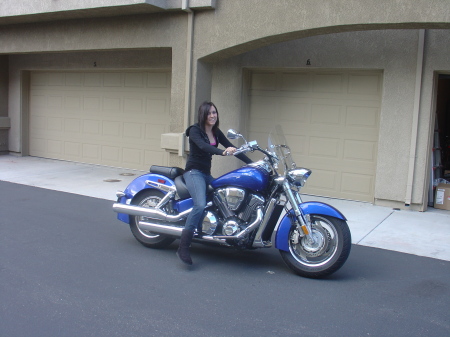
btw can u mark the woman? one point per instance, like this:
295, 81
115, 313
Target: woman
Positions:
204, 138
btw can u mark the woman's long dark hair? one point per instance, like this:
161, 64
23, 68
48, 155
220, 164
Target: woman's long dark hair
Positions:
203, 111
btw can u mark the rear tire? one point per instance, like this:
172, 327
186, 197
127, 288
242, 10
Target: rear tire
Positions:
149, 199
324, 256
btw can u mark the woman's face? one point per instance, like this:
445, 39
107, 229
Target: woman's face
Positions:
212, 116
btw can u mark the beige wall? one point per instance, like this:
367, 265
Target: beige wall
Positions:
238, 26
3, 86
4, 119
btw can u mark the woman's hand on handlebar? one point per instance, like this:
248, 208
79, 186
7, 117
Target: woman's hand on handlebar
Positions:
229, 151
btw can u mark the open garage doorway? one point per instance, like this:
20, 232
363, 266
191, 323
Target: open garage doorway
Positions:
440, 155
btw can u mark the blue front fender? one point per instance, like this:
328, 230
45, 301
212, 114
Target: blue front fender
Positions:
310, 207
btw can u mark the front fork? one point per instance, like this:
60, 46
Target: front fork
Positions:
302, 221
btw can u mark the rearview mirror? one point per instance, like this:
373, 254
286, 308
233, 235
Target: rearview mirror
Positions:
233, 134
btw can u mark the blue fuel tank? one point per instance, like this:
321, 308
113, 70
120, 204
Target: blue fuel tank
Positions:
248, 177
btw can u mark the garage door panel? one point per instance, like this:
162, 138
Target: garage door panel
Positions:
73, 79
92, 104
72, 102
366, 117
111, 128
133, 105
72, 150
324, 147
300, 144
327, 182
360, 150
55, 147
326, 114
152, 157
55, 124
107, 118
132, 130
91, 151
331, 122
55, 102
356, 183
328, 83
92, 80
91, 127
264, 81
298, 82
157, 108
112, 104
364, 84
158, 80
37, 102
132, 156
153, 132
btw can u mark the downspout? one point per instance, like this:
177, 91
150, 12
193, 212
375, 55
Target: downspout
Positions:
415, 121
188, 83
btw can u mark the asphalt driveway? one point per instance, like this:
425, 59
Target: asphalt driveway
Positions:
69, 268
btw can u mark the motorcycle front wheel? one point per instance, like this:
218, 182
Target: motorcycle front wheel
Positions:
149, 198
323, 255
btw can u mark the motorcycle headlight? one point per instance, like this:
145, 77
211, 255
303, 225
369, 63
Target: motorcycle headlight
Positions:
298, 176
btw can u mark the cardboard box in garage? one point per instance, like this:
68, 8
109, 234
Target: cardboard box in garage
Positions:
442, 198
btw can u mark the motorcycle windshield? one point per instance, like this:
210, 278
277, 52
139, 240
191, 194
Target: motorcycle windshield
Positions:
278, 145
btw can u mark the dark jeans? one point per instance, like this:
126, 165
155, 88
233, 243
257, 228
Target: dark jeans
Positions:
197, 182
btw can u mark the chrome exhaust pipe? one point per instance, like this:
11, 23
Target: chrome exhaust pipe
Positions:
151, 213
160, 229
176, 232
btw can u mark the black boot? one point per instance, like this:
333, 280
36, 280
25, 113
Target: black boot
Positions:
183, 249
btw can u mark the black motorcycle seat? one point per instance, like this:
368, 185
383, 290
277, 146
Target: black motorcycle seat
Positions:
169, 172
182, 189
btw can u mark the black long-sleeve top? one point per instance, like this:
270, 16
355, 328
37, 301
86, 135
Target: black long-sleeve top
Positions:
201, 150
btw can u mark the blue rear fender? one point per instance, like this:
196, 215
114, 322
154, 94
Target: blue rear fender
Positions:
310, 207
138, 185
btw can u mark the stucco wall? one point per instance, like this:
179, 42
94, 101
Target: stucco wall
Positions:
393, 51
3, 86
238, 26
4, 120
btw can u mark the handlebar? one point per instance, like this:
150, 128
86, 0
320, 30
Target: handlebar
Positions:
250, 146
240, 150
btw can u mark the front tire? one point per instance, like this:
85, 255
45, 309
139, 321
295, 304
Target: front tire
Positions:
324, 256
149, 199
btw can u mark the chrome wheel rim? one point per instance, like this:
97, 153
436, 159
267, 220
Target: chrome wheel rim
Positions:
148, 202
319, 251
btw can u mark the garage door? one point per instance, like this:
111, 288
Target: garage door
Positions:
106, 118
331, 122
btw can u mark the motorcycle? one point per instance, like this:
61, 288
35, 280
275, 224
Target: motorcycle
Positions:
244, 210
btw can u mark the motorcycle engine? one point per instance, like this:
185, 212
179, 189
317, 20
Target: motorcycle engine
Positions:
237, 207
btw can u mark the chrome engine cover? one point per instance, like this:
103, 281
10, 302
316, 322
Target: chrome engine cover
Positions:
231, 227
254, 202
232, 197
209, 223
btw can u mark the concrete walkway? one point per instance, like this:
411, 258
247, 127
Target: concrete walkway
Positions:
419, 233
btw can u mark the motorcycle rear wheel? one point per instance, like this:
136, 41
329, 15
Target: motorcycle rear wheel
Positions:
148, 198
324, 256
